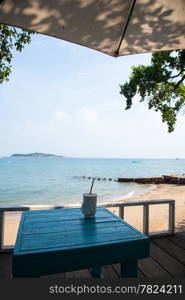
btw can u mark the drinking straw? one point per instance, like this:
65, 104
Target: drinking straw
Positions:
92, 185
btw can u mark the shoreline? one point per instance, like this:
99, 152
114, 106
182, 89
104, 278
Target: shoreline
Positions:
159, 213
133, 215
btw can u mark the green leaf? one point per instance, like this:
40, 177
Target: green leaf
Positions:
11, 39
161, 84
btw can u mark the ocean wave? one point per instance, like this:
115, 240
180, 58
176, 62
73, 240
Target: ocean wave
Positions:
130, 194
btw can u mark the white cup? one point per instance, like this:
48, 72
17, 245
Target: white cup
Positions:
88, 207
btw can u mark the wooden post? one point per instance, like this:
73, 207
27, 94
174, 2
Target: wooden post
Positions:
146, 219
171, 217
1, 229
121, 212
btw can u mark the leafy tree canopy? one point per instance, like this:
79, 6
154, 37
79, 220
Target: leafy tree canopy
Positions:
160, 84
11, 39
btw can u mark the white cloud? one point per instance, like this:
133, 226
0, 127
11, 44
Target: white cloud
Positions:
60, 115
86, 132
87, 116
28, 123
83, 74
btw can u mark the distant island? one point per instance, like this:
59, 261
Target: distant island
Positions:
35, 155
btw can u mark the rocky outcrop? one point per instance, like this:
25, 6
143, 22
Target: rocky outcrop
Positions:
143, 180
156, 180
165, 179
174, 179
35, 155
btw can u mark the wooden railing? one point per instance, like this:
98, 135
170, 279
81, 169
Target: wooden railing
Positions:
146, 216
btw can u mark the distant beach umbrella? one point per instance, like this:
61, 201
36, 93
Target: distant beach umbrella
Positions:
115, 27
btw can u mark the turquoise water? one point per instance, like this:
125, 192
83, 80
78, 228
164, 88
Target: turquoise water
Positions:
59, 180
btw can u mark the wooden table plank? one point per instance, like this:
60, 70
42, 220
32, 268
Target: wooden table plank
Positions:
62, 214
76, 225
92, 228
55, 240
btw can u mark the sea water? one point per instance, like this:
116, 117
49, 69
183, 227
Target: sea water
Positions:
60, 180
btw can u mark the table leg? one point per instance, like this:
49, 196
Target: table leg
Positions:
129, 269
96, 272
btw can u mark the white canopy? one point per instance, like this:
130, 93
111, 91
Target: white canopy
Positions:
115, 27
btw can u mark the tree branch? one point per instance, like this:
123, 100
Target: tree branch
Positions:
179, 82
177, 74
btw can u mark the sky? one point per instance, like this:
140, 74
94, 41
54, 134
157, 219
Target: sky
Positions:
64, 99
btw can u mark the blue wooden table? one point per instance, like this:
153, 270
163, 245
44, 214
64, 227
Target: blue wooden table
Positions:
62, 240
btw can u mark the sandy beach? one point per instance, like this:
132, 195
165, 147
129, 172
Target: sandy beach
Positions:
158, 213
133, 215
